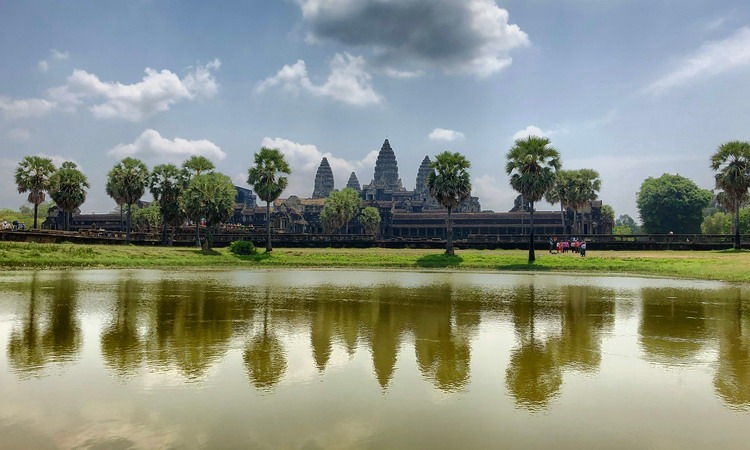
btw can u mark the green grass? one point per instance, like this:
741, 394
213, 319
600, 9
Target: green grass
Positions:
709, 265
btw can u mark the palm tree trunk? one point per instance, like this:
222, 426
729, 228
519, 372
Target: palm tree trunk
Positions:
120, 216
562, 217
268, 226
130, 216
36, 208
575, 221
449, 237
163, 232
737, 243
66, 220
532, 257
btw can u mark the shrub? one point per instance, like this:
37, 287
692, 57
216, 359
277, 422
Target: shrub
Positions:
242, 248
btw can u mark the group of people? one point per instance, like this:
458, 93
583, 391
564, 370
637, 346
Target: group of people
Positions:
563, 246
15, 225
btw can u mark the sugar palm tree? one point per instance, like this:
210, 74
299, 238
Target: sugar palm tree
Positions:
560, 193
532, 165
67, 187
32, 176
585, 186
194, 166
731, 162
166, 185
128, 179
450, 184
268, 180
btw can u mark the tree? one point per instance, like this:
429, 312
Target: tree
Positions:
148, 218
731, 162
194, 166
268, 181
370, 220
532, 166
717, 223
561, 193
450, 184
128, 180
210, 196
671, 203
340, 207
67, 187
166, 185
584, 188
32, 176
607, 217
112, 191
623, 222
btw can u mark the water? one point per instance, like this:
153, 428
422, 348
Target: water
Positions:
364, 359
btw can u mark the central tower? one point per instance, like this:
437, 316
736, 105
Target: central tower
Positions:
386, 169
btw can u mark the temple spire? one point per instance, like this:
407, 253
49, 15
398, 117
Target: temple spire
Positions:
386, 169
323, 180
353, 182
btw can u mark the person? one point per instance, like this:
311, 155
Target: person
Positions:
582, 248
551, 245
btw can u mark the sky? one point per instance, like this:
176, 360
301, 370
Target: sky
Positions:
630, 88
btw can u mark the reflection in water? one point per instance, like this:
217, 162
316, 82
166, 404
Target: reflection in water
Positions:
58, 340
673, 325
732, 380
187, 326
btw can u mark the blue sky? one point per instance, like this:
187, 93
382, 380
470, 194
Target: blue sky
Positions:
630, 88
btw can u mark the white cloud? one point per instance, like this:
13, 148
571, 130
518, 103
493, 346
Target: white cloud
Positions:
348, 81
304, 160
151, 144
457, 36
19, 134
530, 130
402, 74
156, 92
28, 107
711, 59
494, 194
445, 135
55, 55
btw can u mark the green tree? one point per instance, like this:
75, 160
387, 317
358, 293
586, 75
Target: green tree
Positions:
608, 217
340, 207
128, 180
450, 184
210, 196
625, 221
717, 223
166, 185
731, 162
194, 166
268, 180
112, 191
585, 185
370, 220
67, 187
671, 203
148, 218
532, 166
561, 193
32, 176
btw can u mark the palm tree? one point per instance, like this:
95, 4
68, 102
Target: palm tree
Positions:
450, 184
731, 162
532, 166
32, 176
267, 179
560, 193
67, 187
112, 191
166, 185
585, 185
128, 179
194, 166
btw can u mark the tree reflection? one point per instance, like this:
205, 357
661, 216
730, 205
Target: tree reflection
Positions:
25, 348
265, 357
533, 376
732, 378
62, 339
192, 326
673, 326
122, 347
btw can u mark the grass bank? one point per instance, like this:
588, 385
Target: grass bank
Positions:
707, 265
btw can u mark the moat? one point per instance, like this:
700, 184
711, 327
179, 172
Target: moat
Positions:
370, 359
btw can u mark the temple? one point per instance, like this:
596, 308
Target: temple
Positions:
405, 214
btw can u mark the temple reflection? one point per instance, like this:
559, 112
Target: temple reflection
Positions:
732, 378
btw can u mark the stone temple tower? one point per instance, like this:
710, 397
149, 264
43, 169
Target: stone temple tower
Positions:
422, 191
353, 182
386, 169
323, 180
